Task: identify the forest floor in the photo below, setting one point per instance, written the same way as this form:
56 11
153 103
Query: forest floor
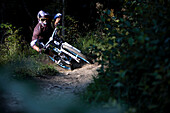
64 87
68 81
60 93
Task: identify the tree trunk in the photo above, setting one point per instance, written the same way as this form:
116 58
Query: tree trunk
63 13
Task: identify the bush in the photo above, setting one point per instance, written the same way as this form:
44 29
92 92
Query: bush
17 53
9 42
32 67
135 65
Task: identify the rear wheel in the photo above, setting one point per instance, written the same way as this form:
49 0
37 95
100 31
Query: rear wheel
61 63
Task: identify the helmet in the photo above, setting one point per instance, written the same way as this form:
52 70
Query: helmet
42 14
43 18
57 15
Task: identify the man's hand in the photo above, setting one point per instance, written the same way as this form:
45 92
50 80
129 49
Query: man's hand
36 48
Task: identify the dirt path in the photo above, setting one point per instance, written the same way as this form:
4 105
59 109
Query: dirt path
68 82
61 88
58 94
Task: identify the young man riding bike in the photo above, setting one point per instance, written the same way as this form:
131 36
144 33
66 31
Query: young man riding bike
43 30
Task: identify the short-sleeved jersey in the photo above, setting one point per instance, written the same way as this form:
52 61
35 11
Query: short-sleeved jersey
42 33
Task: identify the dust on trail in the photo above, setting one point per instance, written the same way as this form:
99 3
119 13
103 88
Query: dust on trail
68 82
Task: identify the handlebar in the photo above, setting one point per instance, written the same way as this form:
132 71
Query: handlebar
50 39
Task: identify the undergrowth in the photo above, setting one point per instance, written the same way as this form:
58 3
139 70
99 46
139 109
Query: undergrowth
134 57
16 53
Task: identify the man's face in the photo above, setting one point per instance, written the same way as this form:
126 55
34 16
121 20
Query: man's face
44 21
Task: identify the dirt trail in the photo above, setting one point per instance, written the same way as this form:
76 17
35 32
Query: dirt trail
64 85
68 82
59 93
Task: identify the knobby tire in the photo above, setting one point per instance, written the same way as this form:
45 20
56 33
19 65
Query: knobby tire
76 52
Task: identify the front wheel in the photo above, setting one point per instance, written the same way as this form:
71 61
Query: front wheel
76 53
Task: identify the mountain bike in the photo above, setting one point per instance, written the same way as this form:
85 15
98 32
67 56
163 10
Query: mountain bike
66 54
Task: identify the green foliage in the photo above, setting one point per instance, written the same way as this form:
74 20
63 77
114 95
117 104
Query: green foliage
71 29
88 43
32 67
135 58
17 53
11 43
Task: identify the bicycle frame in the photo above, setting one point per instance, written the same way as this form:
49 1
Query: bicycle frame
75 57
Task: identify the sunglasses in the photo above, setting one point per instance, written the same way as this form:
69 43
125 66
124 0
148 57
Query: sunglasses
44 19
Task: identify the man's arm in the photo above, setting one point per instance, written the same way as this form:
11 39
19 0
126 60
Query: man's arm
35 37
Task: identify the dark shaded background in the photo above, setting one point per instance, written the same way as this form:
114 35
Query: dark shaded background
22 13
